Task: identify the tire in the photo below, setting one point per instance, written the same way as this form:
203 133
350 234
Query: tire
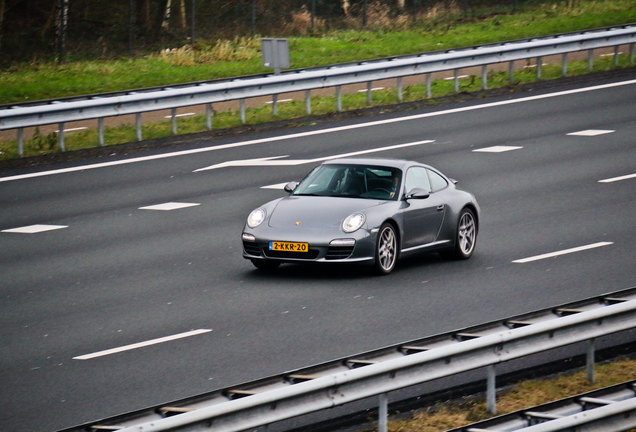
265 265
465 235
386 250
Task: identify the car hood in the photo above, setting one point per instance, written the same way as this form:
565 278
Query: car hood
313 212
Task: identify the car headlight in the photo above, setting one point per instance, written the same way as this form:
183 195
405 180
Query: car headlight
353 222
256 218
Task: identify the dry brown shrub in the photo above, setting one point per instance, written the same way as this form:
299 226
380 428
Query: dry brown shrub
442 9
301 22
379 16
243 48
183 56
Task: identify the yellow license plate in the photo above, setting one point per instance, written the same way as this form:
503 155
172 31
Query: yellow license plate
288 246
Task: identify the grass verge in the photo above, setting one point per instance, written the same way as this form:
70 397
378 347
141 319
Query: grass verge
521 396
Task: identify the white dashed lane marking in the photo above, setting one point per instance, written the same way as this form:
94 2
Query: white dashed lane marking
459 77
615 179
280 100
142 344
169 206
591 132
373 89
563 252
72 129
497 149
181 115
275 186
33 229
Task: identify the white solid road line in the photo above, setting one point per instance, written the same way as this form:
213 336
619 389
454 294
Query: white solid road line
318 132
563 252
142 344
615 179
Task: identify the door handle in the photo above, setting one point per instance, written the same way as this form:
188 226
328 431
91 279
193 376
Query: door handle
440 207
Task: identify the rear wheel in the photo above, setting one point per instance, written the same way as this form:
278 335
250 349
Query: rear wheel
386 250
265 265
466 235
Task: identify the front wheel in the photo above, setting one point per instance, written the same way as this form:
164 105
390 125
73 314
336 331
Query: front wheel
466 235
265 265
386 250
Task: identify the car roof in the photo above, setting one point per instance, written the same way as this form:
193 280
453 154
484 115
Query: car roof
393 163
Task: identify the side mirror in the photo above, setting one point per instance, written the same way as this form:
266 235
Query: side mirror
453 180
417 193
289 187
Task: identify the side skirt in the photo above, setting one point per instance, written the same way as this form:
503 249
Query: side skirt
425 246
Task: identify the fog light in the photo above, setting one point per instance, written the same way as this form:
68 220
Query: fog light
342 242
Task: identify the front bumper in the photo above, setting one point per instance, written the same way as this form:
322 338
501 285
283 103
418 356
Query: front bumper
322 247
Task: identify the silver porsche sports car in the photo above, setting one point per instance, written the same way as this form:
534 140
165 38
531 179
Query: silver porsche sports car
363 210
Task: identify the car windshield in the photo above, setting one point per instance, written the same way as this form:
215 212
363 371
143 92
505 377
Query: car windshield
352 181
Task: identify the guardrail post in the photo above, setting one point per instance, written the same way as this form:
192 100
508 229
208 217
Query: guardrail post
511 72
616 55
369 93
399 89
275 104
208 116
242 109
491 390
100 131
591 349
173 114
631 53
383 413
564 64
484 77
428 85
456 80
138 126
60 133
20 142
339 98
308 101
590 60
539 66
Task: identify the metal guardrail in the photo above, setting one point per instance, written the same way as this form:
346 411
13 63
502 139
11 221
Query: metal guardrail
608 409
207 93
378 372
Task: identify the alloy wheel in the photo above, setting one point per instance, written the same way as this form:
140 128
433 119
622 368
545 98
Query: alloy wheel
386 249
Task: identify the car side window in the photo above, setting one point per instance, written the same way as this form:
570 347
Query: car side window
416 177
437 181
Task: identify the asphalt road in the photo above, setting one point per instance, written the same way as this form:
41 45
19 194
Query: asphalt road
112 273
